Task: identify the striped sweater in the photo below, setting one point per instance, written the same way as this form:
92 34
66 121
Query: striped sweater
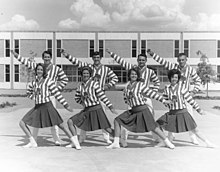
41 91
178 94
135 93
103 72
146 73
89 93
54 72
187 73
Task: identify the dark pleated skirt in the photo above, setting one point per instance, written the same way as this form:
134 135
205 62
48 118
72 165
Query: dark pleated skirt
177 121
91 118
138 120
42 115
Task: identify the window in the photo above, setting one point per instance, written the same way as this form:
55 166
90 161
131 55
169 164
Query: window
143 46
218 49
176 48
120 72
134 48
49 45
72 73
7 48
91 47
186 47
16 47
59 47
16 73
101 48
7 73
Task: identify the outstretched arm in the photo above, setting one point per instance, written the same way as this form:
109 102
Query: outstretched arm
197 81
73 60
119 60
155 80
162 61
30 91
24 61
152 94
113 78
62 78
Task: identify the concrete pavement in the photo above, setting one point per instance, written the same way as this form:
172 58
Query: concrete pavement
94 157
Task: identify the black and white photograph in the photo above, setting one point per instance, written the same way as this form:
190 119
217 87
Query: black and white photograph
109 85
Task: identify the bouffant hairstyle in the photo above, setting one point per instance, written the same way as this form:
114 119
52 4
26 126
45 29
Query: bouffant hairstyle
85 68
137 70
44 69
172 72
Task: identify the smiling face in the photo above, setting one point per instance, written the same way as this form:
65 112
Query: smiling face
133 76
40 71
141 61
182 60
96 59
174 79
47 58
85 75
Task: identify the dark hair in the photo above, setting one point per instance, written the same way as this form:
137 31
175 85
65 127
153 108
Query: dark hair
47 52
182 54
86 68
172 72
137 70
142 54
44 69
95 53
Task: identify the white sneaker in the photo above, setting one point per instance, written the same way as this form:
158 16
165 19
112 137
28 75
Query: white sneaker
210 145
194 140
57 143
113 146
160 144
107 138
30 145
169 144
71 145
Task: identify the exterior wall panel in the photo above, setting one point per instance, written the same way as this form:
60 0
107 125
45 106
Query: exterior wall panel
2 48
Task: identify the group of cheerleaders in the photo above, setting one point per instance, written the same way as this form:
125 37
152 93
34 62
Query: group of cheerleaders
91 95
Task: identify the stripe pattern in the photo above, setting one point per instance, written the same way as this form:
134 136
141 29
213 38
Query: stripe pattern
147 74
41 91
135 93
188 73
89 93
102 71
54 72
178 94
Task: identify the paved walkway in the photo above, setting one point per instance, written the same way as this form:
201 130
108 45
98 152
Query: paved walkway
139 156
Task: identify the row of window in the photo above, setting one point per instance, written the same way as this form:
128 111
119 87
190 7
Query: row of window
134 50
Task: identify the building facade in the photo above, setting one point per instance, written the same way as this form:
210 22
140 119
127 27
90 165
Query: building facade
82 44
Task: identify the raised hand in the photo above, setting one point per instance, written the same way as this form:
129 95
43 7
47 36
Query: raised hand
107 50
14 53
150 52
64 52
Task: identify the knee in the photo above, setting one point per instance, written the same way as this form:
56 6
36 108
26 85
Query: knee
21 123
61 126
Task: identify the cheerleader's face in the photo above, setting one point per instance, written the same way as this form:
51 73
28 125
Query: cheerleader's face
141 61
85 75
133 76
174 79
40 71
47 59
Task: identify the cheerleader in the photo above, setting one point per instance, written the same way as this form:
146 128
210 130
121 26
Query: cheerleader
178 119
43 114
56 74
92 117
100 74
147 74
187 74
139 119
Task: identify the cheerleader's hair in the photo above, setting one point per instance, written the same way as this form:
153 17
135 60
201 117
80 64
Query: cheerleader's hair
44 69
137 70
86 68
172 72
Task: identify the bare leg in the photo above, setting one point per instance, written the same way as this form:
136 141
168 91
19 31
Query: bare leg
82 136
165 141
201 137
32 143
55 134
35 133
115 144
73 135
